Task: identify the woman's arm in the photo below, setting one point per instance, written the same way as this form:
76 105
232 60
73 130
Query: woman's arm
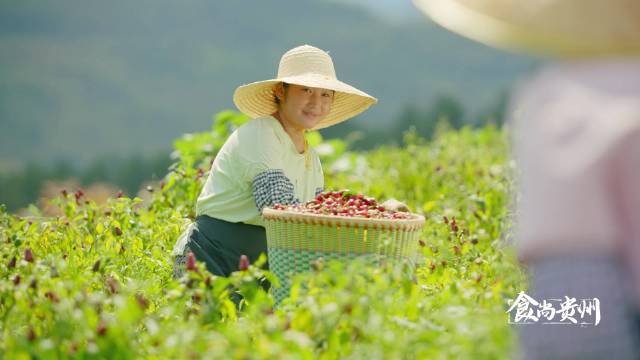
272 187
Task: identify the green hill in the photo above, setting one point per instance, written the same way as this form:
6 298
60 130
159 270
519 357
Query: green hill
84 78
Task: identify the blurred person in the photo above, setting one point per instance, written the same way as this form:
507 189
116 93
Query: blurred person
577 145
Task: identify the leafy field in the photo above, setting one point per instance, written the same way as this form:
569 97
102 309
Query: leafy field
97 282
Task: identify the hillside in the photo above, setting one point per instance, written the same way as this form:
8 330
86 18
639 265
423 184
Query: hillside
84 78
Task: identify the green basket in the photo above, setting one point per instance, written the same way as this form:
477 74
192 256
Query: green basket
296 240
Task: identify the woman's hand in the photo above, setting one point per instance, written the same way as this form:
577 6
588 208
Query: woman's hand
395 205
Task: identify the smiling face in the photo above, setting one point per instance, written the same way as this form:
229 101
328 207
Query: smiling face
303 107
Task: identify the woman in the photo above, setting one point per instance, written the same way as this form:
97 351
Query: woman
577 140
267 160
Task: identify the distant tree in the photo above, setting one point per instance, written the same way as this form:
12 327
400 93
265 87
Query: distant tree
447 108
495 113
444 108
22 188
340 130
409 117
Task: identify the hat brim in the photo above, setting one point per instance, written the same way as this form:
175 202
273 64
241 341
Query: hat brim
539 34
258 99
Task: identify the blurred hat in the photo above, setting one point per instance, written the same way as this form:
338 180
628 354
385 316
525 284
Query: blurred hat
307 66
561 28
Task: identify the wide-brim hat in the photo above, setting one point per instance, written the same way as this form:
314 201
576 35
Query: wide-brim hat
560 28
307 66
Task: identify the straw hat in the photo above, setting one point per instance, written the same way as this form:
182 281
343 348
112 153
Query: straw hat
308 66
562 28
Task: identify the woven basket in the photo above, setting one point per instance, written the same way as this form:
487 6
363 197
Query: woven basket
295 240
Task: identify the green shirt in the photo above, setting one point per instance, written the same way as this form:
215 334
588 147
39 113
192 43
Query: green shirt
258 166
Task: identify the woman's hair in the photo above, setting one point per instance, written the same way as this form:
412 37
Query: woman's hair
275 98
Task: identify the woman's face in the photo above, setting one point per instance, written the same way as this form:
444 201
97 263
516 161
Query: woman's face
304 107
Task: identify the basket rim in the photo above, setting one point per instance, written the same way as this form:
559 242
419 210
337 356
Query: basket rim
269 213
